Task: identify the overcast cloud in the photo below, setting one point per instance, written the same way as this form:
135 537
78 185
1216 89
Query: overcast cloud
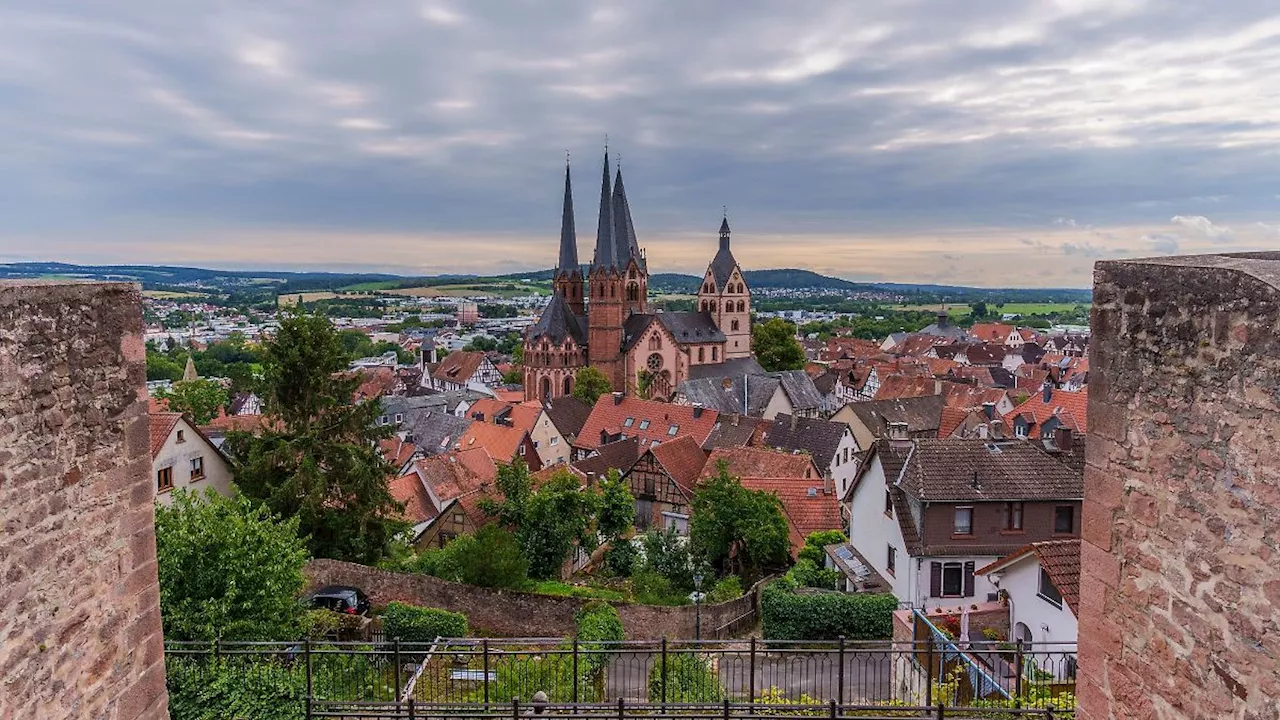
1006 142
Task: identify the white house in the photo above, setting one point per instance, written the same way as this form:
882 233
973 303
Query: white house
1042 583
182 457
928 513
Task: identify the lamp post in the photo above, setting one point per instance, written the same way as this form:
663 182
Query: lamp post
697 596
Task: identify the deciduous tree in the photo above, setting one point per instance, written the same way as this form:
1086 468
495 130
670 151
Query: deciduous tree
774 344
589 384
734 528
201 399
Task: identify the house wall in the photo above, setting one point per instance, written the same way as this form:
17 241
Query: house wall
845 464
988 525
779 404
1179 583
871 531
1022 581
551 446
80 634
178 455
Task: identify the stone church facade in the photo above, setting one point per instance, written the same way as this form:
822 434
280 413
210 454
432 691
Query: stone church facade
599 317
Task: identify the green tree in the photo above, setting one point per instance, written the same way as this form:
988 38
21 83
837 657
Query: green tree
667 555
201 399
589 384
489 558
228 569
617 513
162 367
481 343
734 528
775 346
814 544
318 459
978 310
514 376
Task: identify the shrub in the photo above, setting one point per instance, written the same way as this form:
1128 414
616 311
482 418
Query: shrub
788 615
728 588
689 679
667 554
320 624
622 559
650 588
411 623
807 574
814 544
490 558
598 624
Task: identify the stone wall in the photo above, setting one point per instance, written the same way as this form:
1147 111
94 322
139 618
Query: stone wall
80 628
503 613
1182 491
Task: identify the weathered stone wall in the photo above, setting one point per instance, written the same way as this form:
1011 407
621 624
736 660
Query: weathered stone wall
1182 491
79 601
503 613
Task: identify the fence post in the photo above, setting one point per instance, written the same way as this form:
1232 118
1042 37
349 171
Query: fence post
664 673
942 711
1017 676
486 674
217 645
307 650
515 708
751 681
726 707
928 683
620 708
411 714
395 652
1048 713
575 669
307 705
840 674
835 710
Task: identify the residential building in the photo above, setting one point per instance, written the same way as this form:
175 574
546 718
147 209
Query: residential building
662 482
1047 410
1042 584
466 370
531 418
926 514
809 506
182 457
830 444
870 421
505 444
568 414
762 463
618 417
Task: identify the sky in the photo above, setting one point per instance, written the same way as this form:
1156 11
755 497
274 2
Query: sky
1002 143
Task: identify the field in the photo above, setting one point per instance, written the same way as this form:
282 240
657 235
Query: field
292 298
170 295
481 289
367 286
959 311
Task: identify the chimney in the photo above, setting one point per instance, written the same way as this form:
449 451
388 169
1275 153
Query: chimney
734 419
697 410
977 484
1062 438
989 409
982 431
898 431
617 398
1048 391
793 421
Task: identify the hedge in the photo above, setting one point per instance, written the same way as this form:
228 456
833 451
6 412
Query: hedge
788 615
411 623
689 680
598 625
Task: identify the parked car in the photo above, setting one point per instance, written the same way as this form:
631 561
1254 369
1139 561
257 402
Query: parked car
340 599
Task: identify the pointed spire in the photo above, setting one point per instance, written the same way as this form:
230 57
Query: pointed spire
604 228
568 235
189 373
724 231
624 233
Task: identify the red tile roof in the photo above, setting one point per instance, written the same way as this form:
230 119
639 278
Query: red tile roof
1060 560
408 489
1070 407
510 396
502 442
952 417
807 507
649 421
161 425
991 332
397 451
375 382
763 463
963 396
458 366
900 386
683 460
452 475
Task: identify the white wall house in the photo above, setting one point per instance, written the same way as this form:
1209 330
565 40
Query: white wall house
1042 582
182 457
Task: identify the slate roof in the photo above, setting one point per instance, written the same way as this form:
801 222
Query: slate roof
956 470
762 463
725 395
727 434
1071 408
737 367
683 460
568 235
649 420
1060 560
159 426
556 323
618 456
800 389
944 328
923 415
826 382
723 263
685 326
568 414
434 431
820 438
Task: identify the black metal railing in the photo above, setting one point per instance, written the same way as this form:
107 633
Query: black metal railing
479 676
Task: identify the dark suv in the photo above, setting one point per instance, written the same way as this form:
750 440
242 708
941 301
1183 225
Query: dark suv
340 599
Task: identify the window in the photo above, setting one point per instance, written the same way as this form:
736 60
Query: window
164 479
733 325
1020 431
399 418
197 468
182 436
673 430
951 579
888 502
891 565
1048 592
702 354
457 518
555 440
1013 516
521 450
628 422
715 351
1064 519
964 521
644 424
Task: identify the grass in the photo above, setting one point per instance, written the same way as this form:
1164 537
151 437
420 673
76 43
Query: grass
504 289
170 295
367 286
292 298
555 587
960 311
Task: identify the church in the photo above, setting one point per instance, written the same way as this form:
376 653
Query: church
599 317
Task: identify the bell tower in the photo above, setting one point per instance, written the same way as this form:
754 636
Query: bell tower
725 297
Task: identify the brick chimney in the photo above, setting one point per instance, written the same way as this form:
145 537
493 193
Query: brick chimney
989 409
1048 391
617 398
697 410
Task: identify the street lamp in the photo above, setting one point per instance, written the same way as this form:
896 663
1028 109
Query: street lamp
697 597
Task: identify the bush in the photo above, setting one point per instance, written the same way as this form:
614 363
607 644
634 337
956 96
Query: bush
689 679
814 544
320 624
650 588
667 554
788 615
598 624
490 558
807 574
411 623
728 588
622 558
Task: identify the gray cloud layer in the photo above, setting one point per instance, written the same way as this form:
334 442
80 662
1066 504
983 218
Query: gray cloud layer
169 130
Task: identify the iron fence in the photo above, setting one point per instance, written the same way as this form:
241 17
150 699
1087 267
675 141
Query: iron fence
483 676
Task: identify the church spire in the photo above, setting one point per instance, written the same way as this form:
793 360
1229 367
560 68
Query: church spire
568 235
724 232
604 228
624 233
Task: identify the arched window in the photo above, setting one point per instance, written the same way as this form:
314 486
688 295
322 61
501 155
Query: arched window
633 274
733 325
655 342
742 306
633 292
546 388
701 354
613 291
568 384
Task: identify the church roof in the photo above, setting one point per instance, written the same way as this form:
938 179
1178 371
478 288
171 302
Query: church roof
737 367
723 263
726 395
604 256
686 327
624 232
568 235
558 322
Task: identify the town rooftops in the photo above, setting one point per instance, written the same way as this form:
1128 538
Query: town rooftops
1071 409
734 368
974 470
1060 560
434 431
727 394
922 415
503 443
762 463
683 460
819 437
458 366
620 456
615 416
800 389
991 332
808 507
568 414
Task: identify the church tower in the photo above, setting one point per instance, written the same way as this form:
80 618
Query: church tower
618 283
725 296
568 276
